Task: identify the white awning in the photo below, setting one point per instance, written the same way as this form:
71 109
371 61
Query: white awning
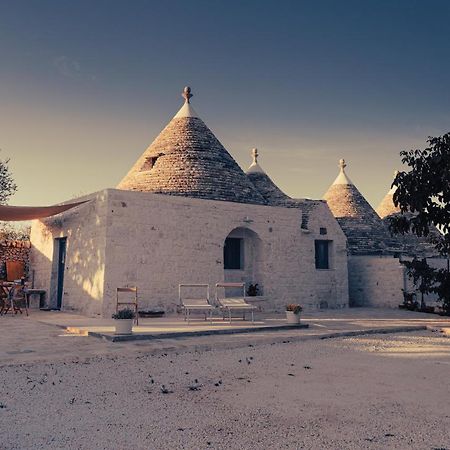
18 213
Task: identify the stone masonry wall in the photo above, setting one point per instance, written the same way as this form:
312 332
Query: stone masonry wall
14 251
84 227
375 281
156 242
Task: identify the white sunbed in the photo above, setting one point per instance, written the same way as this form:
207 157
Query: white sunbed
233 303
199 304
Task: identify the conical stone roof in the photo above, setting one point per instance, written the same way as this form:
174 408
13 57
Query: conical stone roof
271 193
409 243
365 231
187 159
386 206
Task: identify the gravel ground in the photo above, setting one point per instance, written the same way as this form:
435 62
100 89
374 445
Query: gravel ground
377 392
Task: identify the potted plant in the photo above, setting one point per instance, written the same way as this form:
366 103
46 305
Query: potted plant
124 321
253 290
293 313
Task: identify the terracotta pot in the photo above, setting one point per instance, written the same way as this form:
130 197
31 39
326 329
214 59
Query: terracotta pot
124 326
292 318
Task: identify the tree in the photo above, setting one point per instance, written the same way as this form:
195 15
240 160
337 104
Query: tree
14 233
423 195
7 185
423 276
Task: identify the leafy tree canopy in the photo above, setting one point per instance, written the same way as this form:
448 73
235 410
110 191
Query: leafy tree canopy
423 193
7 185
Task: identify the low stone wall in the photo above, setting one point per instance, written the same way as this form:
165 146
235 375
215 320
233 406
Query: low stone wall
375 281
14 251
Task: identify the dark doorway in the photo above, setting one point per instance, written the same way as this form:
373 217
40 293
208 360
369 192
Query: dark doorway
61 243
232 254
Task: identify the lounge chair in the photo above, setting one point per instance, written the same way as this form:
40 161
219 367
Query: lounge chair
200 304
236 303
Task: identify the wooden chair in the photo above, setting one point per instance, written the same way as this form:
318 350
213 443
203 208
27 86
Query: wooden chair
133 303
201 304
236 303
4 301
16 300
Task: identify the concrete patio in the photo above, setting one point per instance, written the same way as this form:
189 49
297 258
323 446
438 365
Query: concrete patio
60 335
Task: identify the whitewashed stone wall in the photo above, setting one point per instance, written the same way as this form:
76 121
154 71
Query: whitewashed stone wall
157 241
84 227
377 281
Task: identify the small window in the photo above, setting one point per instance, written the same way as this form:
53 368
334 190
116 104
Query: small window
232 254
323 231
150 162
322 254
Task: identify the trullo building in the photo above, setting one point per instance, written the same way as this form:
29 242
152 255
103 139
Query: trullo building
187 213
376 275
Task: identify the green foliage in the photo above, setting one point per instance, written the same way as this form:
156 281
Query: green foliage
124 314
423 195
296 309
442 288
253 290
409 300
11 233
424 191
7 185
423 276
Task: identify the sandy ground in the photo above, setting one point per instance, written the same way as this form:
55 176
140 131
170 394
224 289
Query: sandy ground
377 392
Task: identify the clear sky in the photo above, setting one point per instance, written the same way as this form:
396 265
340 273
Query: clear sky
85 86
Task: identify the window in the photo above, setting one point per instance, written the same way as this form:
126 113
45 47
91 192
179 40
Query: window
232 254
150 162
323 231
322 254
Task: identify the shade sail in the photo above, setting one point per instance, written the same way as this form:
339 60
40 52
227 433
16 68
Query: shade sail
17 213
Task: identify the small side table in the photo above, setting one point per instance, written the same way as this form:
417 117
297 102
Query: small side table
40 292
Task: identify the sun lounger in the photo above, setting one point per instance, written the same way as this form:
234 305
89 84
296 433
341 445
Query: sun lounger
199 304
236 303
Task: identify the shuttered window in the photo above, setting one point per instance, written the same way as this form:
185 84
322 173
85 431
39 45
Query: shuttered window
322 254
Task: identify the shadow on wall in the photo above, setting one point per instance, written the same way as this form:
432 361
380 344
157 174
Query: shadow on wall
83 264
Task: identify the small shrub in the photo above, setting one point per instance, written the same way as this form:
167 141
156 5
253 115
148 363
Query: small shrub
296 309
124 314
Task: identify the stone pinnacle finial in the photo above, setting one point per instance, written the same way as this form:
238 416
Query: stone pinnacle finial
396 172
255 155
342 164
187 94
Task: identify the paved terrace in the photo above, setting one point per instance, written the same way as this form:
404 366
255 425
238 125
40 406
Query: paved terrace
59 335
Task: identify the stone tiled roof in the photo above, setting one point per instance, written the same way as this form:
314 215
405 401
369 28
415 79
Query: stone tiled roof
187 159
366 233
407 244
386 206
412 245
274 196
263 184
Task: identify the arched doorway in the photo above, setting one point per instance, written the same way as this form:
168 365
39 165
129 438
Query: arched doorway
243 257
